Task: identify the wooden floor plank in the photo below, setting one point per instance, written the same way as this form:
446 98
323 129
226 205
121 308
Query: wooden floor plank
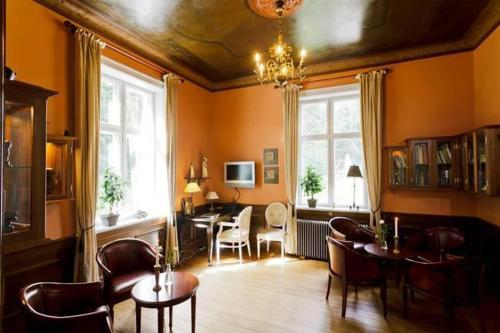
276 295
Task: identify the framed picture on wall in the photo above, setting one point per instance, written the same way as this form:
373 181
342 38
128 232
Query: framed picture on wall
271 175
270 156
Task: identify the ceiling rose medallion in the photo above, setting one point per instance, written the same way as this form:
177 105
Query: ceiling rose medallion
280 68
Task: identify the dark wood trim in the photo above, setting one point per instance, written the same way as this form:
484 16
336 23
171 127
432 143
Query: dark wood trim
135 230
49 260
487 21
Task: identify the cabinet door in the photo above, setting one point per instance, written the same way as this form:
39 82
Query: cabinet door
421 163
492 148
458 164
443 158
398 166
481 178
468 162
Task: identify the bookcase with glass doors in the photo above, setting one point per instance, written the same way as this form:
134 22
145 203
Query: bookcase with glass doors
467 162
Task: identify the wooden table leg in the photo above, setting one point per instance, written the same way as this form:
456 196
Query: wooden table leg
193 313
161 320
210 242
170 316
137 317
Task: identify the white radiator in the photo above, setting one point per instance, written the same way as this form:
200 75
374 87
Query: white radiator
311 236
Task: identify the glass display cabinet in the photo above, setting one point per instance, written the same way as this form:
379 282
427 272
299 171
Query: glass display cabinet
487 147
421 163
443 157
24 162
59 167
398 166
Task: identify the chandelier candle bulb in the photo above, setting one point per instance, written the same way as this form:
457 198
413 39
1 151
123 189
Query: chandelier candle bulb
396 222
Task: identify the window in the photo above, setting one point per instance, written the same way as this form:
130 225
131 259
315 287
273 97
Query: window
330 141
132 138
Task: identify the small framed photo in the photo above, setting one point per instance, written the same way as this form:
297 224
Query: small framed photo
271 156
271 175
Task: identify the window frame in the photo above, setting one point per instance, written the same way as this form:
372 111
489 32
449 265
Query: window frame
126 77
329 96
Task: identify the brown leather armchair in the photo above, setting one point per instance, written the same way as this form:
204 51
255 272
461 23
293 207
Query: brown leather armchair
344 228
438 241
354 268
124 262
454 282
66 307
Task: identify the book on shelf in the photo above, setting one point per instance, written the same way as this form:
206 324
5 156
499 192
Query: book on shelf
444 154
421 153
399 161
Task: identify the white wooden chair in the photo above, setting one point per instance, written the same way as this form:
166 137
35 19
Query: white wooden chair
239 234
275 231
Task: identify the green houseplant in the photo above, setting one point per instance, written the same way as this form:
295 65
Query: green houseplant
111 195
311 184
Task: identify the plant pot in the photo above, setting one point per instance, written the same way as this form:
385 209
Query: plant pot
109 220
312 203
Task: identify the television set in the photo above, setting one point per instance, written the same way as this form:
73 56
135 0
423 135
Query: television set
239 174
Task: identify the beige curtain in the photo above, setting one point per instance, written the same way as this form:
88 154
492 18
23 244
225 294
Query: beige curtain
87 84
371 133
171 82
291 122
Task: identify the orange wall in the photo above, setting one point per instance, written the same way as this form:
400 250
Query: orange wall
487 106
244 122
429 97
41 53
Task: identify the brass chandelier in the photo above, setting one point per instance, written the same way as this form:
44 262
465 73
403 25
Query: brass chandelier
280 67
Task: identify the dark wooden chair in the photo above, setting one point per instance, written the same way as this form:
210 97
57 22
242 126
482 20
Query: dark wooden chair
454 282
354 268
438 241
124 262
66 307
344 228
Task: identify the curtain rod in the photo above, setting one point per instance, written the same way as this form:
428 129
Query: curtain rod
387 70
72 27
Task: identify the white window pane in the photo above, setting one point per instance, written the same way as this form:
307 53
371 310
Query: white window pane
139 173
109 151
110 101
315 153
346 153
346 115
139 109
314 118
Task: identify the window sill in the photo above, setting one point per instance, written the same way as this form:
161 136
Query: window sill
127 222
339 210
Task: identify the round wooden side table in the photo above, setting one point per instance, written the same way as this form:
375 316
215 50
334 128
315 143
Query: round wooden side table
184 288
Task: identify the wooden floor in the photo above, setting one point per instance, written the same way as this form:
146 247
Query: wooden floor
275 295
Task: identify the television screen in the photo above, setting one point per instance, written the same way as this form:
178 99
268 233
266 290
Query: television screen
239 174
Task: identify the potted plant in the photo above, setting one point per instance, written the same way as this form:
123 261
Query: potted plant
311 184
112 194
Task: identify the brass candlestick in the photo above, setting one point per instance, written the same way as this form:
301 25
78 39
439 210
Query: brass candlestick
396 245
157 286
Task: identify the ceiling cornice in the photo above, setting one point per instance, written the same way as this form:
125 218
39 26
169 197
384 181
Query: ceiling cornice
485 23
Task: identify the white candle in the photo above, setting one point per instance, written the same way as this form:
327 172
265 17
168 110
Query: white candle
157 262
396 227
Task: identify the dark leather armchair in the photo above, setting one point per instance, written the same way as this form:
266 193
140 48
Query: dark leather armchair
66 307
354 268
438 241
454 282
124 262
344 228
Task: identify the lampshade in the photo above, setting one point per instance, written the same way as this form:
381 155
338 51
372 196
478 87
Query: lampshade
212 196
354 172
192 188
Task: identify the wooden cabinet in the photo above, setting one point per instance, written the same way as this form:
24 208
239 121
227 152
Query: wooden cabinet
468 162
59 164
398 166
487 157
24 162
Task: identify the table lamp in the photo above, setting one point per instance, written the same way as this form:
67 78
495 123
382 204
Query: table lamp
191 188
354 172
211 196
